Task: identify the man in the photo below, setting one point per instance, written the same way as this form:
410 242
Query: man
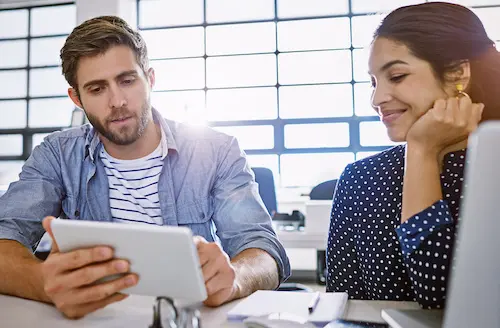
134 166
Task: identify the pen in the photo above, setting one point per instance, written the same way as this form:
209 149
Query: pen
314 302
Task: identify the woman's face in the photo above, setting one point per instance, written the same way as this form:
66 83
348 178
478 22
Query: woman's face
404 86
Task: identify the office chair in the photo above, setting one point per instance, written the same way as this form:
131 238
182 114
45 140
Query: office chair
267 189
323 191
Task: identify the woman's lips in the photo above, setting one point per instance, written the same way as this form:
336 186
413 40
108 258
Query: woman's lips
391 117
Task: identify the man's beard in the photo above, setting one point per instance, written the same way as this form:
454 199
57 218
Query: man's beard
125 135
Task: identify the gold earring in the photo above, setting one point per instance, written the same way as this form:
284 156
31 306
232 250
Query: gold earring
461 92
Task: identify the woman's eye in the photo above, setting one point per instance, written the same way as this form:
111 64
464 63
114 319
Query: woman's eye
398 78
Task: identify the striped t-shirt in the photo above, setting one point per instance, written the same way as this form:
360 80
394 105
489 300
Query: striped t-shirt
133 187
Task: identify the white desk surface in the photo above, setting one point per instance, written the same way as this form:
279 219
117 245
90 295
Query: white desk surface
136 311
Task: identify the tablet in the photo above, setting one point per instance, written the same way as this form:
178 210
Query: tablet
164 257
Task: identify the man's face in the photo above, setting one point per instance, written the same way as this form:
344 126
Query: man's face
115 94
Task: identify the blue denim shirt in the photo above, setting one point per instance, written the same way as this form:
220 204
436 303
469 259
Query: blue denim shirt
206 184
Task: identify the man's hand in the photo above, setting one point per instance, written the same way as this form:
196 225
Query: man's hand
218 273
68 278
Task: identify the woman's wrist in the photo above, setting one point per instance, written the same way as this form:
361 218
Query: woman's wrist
422 151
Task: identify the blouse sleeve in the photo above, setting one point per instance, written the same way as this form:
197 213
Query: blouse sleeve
343 273
426 241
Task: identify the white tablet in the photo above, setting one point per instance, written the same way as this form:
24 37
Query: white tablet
164 257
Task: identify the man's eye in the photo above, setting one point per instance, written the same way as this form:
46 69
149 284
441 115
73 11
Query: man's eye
96 90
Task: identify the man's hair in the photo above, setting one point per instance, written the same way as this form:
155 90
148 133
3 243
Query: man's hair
94 37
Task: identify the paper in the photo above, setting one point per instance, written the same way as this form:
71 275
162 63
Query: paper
330 306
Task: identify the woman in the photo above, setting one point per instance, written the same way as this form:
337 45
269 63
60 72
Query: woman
394 214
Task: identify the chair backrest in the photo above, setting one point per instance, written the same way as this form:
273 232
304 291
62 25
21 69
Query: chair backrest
324 190
267 189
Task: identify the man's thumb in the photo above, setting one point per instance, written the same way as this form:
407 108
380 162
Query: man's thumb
47 226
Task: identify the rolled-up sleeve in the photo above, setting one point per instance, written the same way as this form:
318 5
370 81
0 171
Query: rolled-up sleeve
427 240
36 194
240 216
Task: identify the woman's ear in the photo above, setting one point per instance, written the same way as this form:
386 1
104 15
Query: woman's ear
464 78
459 76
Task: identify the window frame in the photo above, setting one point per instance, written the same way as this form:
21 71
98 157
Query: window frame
28 132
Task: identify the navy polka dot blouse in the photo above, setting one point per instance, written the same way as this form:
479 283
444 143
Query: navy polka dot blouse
370 254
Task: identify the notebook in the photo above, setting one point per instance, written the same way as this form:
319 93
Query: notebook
330 306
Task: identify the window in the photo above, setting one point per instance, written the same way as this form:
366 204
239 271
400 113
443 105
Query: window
33 99
289 80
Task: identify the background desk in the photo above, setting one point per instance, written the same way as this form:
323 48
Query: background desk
136 312
302 239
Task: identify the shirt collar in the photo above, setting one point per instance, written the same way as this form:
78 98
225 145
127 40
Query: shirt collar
167 140
157 118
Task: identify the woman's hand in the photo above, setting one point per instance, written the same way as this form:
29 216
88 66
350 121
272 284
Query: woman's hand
447 123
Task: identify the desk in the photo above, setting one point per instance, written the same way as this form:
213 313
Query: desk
317 223
136 312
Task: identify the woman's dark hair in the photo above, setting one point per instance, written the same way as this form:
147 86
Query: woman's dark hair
446 35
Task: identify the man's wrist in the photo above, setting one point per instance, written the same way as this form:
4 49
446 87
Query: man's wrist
238 284
38 283
237 291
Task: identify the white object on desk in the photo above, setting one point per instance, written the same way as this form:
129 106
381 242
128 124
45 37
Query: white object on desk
315 234
318 216
265 302
164 257
266 322
413 318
